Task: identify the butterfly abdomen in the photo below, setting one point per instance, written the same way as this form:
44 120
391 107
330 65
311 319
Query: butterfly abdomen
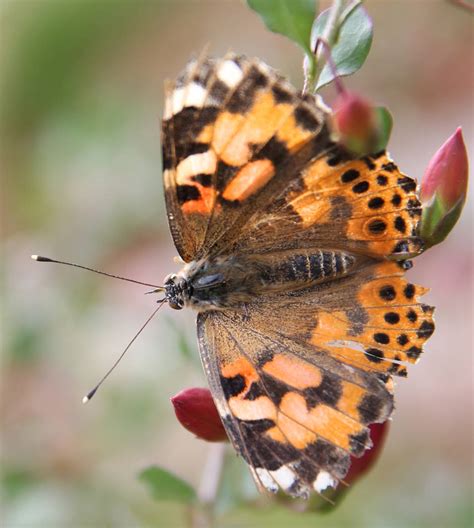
299 270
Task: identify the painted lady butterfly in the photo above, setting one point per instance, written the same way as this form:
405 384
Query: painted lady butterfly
295 254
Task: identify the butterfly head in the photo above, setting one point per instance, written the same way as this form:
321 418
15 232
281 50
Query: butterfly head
176 291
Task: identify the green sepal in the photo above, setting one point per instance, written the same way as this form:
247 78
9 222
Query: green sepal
437 222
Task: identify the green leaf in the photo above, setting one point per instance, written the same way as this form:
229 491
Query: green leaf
352 44
384 127
164 486
291 18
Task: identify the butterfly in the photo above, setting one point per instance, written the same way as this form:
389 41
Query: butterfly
294 256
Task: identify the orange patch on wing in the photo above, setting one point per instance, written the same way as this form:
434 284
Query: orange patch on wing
293 371
204 204
275 434
250 179
240 367
350 398
309 207
226 126
322 420
332 335
298 435
292 135
234 137
261 408
206 134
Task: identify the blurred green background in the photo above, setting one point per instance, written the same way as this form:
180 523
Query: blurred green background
81 98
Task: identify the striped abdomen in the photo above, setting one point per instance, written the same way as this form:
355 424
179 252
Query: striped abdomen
299 270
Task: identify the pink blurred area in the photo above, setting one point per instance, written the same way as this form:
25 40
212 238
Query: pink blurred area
83 183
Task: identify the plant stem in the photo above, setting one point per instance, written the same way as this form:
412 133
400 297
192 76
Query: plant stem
211 473
329 36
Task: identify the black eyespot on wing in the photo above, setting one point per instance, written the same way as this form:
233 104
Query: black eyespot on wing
382 180
387 293
400 224
409 291
350 175
392 318
396 200
377 226
411 316
361 187
374 354
376 203
402 339
382 338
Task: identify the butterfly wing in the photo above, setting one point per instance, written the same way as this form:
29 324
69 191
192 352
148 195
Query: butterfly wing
298 378
234 134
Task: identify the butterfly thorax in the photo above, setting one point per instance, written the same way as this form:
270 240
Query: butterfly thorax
229 282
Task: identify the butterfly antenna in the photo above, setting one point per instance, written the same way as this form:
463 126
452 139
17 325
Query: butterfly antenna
91 393
38 258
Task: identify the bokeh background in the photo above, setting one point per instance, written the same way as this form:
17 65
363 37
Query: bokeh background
81 95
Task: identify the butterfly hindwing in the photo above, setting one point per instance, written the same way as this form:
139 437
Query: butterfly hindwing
297 379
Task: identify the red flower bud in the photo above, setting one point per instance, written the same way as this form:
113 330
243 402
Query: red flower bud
353 114
196 411
443 189
359 466
356 124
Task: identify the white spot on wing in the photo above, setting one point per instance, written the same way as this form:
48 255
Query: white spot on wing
284 476
266 480
168 112
229 73
195 95
204 163
177 100
323 481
